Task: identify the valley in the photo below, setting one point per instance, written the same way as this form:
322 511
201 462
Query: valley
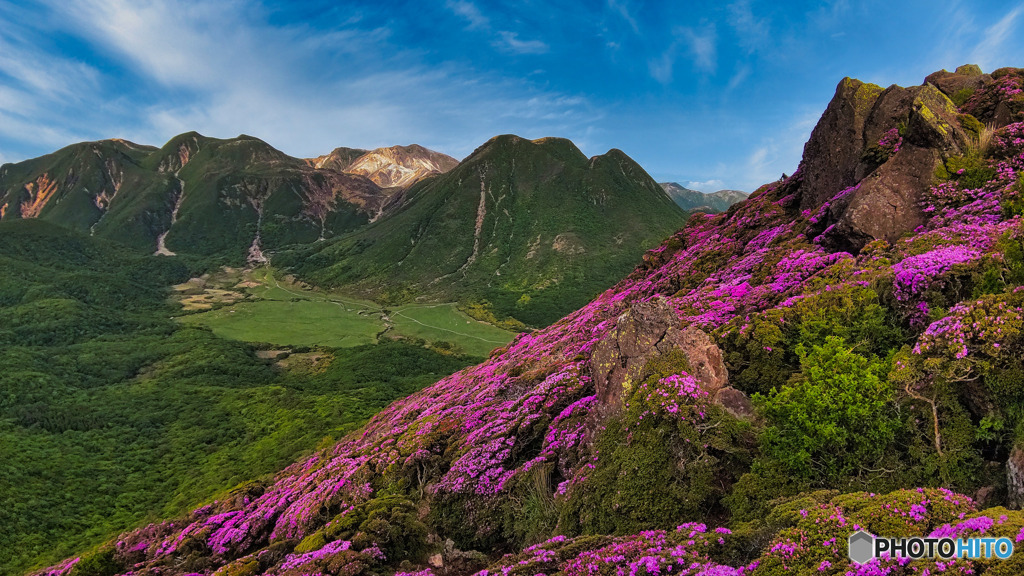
260 306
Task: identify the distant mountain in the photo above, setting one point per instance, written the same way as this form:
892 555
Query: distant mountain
230 198
338 159
400 166
534 228
698 201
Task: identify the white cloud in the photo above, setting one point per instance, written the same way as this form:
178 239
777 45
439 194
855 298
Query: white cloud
775 155
470 12
713 185
702 46
661 67
226 71
990 51
737 79
754 32
511 41
621 7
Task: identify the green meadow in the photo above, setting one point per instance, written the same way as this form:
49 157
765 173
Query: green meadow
285 314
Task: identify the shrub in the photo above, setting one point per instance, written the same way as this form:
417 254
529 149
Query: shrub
833 420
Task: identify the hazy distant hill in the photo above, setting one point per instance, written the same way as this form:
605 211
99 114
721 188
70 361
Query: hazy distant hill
698 201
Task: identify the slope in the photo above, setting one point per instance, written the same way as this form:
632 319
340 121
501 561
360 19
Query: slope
615 440
531 229
400 166
227 199
110 412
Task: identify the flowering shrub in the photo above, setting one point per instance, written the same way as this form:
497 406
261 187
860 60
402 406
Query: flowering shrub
887 146
685 550
816 541
628 486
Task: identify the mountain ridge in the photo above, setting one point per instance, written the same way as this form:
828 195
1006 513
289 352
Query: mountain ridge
713 202
216 208
519 224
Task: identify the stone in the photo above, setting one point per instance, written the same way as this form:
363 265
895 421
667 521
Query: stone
887 203
645 331
969 70
832 154
966 77
1015 478
983 497
735 402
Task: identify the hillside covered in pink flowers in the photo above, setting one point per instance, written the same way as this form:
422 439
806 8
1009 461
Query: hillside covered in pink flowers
843 350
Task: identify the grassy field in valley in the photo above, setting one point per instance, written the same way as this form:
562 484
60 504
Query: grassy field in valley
265 308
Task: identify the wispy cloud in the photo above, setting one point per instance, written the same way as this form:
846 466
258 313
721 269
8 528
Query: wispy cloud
621 7
660 68
777 154
470 12
510 41
504 40
742 73
222 69
702 44
713 185
754 33
991 52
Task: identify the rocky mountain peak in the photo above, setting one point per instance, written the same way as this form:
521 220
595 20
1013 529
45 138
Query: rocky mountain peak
400 166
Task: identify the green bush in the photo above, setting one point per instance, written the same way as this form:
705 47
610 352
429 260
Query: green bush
834 420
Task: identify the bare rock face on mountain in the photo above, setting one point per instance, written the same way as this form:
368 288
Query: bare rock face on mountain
400 166
832 153
871 157
648 330
337 160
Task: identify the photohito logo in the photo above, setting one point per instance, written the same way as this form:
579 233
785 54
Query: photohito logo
862 547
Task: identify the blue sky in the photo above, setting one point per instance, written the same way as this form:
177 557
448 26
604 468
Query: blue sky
709 94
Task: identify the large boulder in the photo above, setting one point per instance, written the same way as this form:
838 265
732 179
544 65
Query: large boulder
645 331
887 143
832 154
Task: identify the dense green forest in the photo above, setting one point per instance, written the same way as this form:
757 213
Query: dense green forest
111 414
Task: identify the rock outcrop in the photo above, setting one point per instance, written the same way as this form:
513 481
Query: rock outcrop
961 83
400 166
649 330
872 156
1015 478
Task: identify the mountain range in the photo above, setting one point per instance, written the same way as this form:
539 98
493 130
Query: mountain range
530 229
697 201
525 231
230 199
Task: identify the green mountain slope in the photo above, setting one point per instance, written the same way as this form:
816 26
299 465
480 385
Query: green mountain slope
110 412
225 198
533 229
